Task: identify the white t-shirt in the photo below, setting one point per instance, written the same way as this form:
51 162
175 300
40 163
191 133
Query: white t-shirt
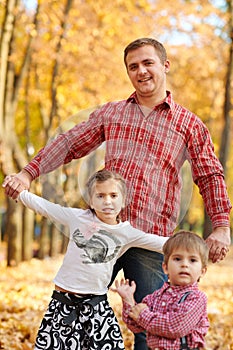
94 246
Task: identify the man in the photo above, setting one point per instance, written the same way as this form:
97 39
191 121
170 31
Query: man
148 137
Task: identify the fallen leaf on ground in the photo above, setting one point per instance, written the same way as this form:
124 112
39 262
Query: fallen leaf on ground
25 292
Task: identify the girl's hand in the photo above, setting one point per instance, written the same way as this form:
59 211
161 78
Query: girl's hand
126 290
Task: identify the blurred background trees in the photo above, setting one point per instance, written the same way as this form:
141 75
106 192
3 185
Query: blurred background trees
60 59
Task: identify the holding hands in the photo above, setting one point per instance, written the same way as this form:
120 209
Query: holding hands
16 183
218 242
136 310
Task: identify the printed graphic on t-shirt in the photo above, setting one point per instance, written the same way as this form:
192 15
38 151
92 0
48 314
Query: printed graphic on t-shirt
101 247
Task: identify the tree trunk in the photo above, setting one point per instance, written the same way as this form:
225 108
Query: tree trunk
27 235
14 232
207 228
226 133
13 158
43 248
54 240
65 240
227 110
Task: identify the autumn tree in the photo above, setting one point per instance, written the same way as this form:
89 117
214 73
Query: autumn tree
228 97
12 74
224 148
63 57
44 62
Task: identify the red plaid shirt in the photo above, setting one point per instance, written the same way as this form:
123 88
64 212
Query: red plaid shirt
166 321
149 152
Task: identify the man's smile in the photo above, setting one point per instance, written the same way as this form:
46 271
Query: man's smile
144 80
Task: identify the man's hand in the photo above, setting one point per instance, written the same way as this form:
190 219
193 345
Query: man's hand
16 183
218 242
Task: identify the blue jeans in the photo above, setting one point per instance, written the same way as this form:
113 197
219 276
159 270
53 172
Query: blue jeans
145 268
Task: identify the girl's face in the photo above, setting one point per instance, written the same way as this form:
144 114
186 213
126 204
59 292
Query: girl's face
184 267
107 200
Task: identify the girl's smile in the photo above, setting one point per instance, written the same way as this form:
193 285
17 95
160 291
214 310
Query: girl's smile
107 201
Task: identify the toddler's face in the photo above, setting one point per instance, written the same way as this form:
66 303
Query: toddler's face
184 267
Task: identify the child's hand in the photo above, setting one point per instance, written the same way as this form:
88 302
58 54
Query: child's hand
125 290
136 310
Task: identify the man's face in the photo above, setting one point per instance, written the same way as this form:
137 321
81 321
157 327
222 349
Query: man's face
146 71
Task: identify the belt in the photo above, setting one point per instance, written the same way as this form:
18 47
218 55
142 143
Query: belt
71 300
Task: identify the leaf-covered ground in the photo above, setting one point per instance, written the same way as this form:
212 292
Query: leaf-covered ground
25 291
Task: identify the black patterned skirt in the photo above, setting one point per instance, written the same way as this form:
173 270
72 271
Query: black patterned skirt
70 324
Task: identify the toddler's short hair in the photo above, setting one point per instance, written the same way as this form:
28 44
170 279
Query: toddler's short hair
189 241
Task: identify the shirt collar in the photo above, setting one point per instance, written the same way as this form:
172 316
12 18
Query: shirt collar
178 289
168 100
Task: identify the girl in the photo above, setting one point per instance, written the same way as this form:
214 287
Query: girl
79 316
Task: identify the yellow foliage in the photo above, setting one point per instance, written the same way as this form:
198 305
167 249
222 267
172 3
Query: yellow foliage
89 62
25 292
